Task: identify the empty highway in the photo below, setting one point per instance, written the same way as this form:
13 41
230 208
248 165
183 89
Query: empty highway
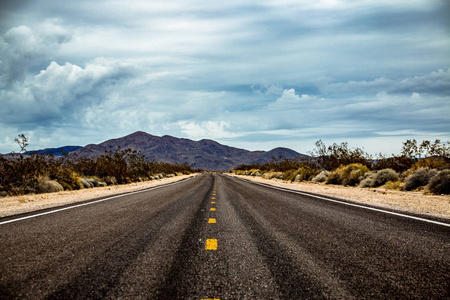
220 237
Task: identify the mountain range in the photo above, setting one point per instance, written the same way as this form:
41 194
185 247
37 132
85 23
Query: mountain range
204 154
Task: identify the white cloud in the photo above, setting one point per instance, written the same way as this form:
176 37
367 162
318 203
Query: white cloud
207 129
59 92
436 82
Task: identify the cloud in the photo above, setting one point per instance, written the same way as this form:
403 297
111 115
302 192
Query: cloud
237 70
207 129
434 83
22 48
60 93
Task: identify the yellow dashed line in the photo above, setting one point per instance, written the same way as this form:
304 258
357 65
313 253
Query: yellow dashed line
211 244
213 198
213 209
213 202
211 220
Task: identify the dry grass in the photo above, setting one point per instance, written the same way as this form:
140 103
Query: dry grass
413 202
26 203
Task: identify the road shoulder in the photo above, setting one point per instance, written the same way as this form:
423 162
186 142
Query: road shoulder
408 202
10 206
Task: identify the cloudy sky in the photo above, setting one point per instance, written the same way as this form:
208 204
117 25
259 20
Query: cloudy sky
249 74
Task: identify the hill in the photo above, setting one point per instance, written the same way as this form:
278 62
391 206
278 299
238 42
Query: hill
61 151
204 154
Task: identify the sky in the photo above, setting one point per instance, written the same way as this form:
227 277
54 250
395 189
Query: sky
249 74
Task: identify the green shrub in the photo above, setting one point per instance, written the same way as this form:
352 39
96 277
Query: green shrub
383 176
418 178
321 177
45 185
440 183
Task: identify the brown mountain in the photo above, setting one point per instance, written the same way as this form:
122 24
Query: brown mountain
203 154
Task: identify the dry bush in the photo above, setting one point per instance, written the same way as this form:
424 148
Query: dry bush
321 177
368 180
110 180
270 175
418 178
440 183
393 185
85 183
305 173
383 176
45 185
350 174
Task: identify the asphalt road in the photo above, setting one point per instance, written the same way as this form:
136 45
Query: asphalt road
218 237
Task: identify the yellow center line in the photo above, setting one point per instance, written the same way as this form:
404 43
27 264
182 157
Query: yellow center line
211 244
213 198
213 202
213 209
211 220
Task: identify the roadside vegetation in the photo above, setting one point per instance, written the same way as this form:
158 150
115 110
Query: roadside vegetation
24 174
419 167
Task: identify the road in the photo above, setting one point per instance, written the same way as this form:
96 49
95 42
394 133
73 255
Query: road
219 237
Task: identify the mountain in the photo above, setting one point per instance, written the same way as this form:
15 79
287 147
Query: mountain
61 151
203 154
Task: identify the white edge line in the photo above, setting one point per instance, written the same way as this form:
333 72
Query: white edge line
92 202
347 203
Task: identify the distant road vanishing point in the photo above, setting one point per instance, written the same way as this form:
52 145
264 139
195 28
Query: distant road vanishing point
220 237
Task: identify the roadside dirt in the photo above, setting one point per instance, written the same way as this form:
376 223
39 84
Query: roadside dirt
21 204
412 202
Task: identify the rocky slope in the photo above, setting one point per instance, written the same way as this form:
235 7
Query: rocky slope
203 154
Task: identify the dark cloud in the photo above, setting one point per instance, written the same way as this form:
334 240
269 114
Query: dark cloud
22 48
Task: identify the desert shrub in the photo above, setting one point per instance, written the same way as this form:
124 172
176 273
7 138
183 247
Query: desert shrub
439 163
418 178
110 180
270 175
321 177
305 173
350 174
334 177
45 185
92 181
440 183
331 157
393 185
86 184
383 176
368 180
